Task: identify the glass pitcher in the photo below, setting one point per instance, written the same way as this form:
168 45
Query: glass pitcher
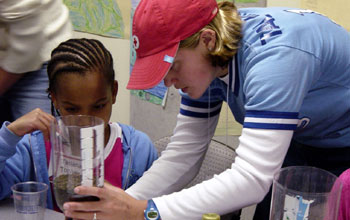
77 143
305 193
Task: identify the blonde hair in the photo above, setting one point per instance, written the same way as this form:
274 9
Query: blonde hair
227 26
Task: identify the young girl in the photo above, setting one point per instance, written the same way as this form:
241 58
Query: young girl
81 78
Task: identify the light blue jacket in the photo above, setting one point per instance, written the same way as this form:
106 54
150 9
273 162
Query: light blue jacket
16 158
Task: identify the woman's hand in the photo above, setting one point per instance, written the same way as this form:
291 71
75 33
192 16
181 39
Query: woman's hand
114 204
32 121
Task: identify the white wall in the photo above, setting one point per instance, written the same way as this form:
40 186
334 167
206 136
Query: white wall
283 3
120 50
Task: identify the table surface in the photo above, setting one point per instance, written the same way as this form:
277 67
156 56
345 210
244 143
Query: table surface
7 211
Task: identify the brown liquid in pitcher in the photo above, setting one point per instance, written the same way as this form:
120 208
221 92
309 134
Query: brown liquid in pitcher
63 187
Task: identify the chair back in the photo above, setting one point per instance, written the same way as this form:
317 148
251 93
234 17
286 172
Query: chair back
218 158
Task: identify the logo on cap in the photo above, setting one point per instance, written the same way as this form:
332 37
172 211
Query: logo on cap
214 11
168 59
135 41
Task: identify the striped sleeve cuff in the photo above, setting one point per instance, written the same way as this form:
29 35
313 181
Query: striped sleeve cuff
199 109
271 120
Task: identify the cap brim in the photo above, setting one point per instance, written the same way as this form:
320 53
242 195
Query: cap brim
149 71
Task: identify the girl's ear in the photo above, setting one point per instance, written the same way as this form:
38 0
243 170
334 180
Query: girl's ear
54 105
208 38
114 91
54 100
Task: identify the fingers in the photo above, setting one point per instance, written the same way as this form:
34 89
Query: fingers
109 186
46 120
34 120
82 209
102 193
112 200
83 206
107 183
88 190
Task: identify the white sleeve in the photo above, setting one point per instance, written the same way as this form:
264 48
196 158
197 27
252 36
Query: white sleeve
25 37
180 161
259 156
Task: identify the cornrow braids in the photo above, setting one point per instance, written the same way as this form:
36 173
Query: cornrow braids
79 56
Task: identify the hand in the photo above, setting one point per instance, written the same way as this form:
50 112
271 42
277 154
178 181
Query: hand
32 121
114 204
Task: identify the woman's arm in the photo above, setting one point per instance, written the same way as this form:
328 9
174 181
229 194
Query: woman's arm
181 160
259 156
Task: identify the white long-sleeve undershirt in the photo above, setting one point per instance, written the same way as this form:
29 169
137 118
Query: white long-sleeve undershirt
259 156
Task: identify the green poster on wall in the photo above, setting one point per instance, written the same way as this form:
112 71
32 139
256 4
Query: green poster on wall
97 17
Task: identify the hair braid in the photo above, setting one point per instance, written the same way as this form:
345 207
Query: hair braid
79 56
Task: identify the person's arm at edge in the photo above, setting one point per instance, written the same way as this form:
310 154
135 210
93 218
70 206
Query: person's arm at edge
23 20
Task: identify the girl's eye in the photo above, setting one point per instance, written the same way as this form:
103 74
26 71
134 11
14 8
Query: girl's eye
71 109
101 106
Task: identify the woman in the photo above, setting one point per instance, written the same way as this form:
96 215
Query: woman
286 78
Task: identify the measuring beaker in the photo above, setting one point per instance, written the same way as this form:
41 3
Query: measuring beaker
77 156
305 193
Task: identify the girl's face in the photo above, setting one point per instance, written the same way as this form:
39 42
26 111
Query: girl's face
87 94
192 70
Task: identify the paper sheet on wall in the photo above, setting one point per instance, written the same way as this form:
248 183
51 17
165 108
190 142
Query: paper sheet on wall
154 95
337 10
109 18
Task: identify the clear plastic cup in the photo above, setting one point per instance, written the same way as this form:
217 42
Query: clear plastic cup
29 200
305 193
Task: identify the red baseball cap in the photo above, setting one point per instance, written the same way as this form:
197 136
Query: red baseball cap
158 28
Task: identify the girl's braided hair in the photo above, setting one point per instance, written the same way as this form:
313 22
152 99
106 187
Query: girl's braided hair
79 56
